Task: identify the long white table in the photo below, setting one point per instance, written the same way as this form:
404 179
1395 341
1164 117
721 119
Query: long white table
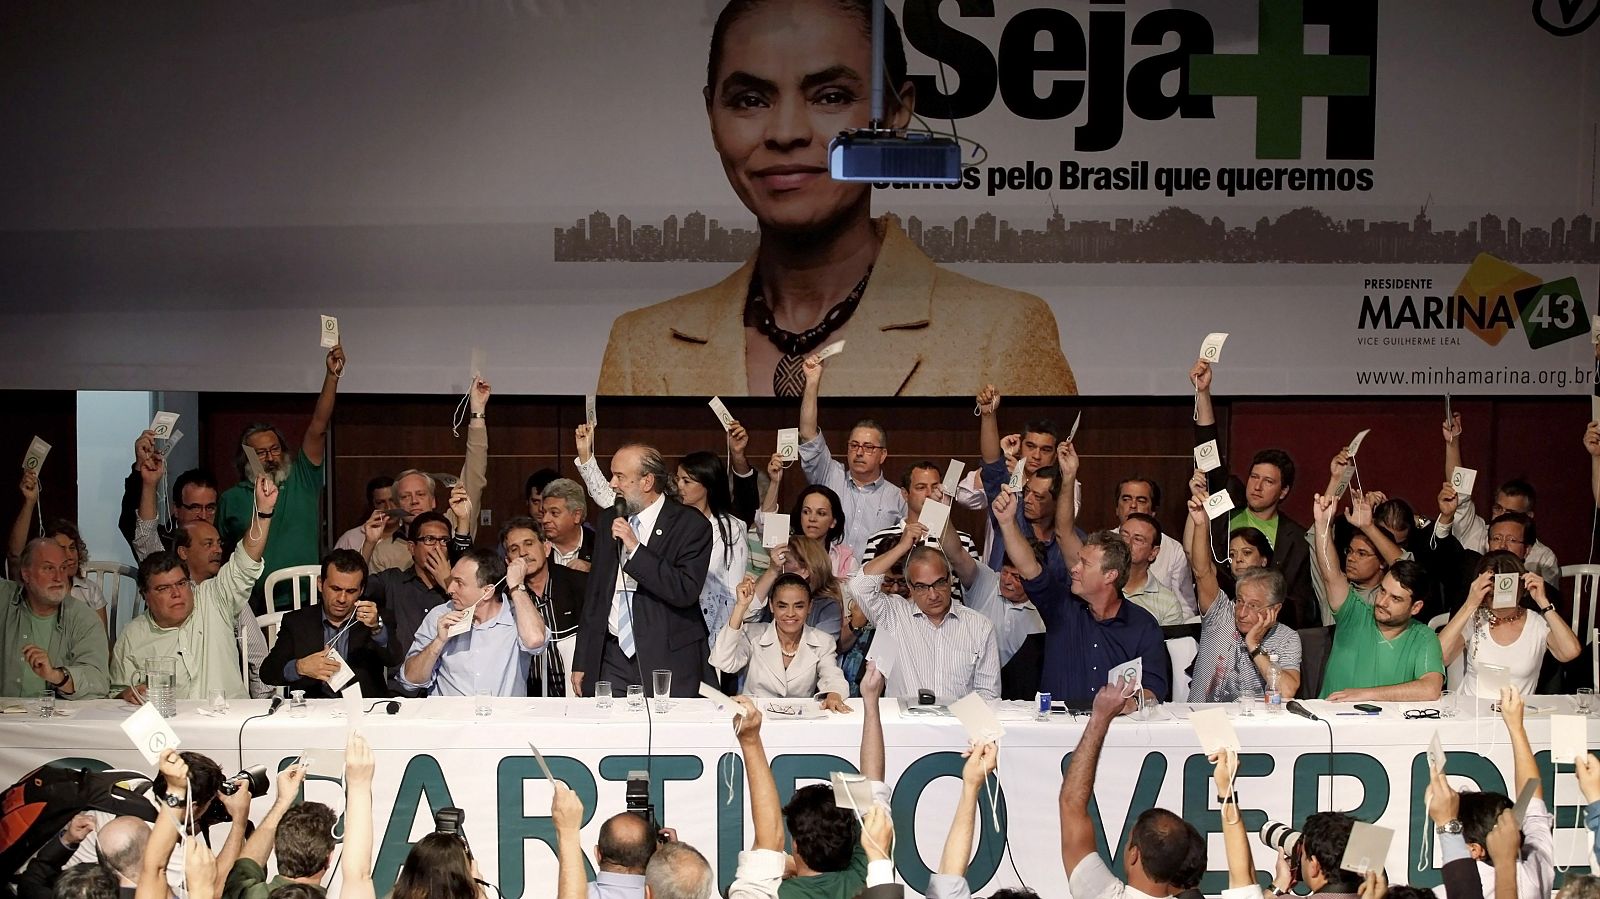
437 752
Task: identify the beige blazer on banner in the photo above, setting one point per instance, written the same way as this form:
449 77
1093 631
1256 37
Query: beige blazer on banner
813 671
921 330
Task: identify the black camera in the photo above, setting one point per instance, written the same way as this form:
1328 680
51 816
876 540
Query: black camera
449 820
253 778
638 798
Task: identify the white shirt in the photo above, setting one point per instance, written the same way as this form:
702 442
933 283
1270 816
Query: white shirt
1522 659
625 582
957 657
1473 532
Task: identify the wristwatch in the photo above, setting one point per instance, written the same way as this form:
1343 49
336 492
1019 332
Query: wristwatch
173 801
1451 826
1255 652
65 676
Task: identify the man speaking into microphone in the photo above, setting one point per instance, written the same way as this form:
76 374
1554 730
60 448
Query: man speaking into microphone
642 610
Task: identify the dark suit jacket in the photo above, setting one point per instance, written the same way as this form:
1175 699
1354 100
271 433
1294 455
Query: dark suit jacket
668 629
567 589
300 635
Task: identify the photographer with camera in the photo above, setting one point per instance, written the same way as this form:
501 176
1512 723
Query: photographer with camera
1316 857
177 809
440 865
303 853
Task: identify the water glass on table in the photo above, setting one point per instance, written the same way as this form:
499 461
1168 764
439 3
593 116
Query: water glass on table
602 694
481 706
1583 701
160 684
47 703
661 683
635 697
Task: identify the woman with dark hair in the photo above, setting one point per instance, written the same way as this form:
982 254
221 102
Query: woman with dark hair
785 658
439 866
702 483
783 78
817 513
1506 639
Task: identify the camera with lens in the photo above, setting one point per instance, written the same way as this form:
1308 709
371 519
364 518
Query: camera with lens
638 798
1283 838
253 778
449 820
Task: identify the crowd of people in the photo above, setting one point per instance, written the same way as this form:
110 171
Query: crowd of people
681 571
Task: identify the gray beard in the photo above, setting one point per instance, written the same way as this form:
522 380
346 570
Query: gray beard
633 505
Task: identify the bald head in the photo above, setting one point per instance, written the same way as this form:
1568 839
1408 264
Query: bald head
626 843
122 843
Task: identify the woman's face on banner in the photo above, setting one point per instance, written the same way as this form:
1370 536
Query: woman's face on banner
793 74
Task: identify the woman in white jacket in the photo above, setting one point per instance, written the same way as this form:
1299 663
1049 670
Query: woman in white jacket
783 658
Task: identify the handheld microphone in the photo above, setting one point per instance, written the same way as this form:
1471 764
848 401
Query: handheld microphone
621 508
276 702
1294 706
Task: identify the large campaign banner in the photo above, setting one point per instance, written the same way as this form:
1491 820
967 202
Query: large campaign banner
622 197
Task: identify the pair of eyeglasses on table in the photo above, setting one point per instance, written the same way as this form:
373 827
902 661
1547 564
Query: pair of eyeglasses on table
1421 713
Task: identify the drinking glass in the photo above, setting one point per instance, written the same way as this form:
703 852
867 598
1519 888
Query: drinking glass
661 682
297 703
47 703
160 681
482 708
1447 703
602 694
636 696
1247 706
1583 700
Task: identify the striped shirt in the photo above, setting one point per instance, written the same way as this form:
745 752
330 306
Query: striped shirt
1223 670
957 657
885 539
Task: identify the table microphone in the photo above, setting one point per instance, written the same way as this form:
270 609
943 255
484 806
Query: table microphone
276 702
389 708
1294 706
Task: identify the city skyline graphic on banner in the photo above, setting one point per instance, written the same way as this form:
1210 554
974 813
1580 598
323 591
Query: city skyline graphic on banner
1171 235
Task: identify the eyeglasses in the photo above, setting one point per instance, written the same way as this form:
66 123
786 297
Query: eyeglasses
853 446
1422 713
940 584
1503 540
432 541
198 507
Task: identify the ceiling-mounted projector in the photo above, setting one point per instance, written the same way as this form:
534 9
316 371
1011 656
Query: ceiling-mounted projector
872 154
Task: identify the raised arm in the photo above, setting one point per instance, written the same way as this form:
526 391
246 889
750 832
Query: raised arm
594 480
164 836
808 398
358 768
474 468
765 809
260 843
530 624
1562 642
1325 561
19 528
1017 546
1523 767
1451 431
315 443
566 813
774 484
1200 377
872 759
885 560
254 541
1360 517
988 401
1591 444
1066 508
1235 840
981 762
1452 639
1077 787
1197 539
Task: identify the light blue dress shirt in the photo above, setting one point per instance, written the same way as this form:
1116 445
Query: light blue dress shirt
489 657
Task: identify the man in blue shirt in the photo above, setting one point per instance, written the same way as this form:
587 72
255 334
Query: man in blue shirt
502 638
1090 629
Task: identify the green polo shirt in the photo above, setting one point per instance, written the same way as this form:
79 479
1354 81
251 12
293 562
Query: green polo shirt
846 884
294 536
1361 656
1244 518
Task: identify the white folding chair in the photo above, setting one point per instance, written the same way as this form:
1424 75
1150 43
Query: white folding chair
1455 671
108 576
1181 650
268 623
1585 597
303 584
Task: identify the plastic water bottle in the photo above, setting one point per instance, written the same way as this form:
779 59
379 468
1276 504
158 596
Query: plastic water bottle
1274 697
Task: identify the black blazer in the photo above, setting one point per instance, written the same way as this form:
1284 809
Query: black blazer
668 630
300 635
567 589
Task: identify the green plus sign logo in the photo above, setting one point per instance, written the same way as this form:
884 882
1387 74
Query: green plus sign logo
1280 75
